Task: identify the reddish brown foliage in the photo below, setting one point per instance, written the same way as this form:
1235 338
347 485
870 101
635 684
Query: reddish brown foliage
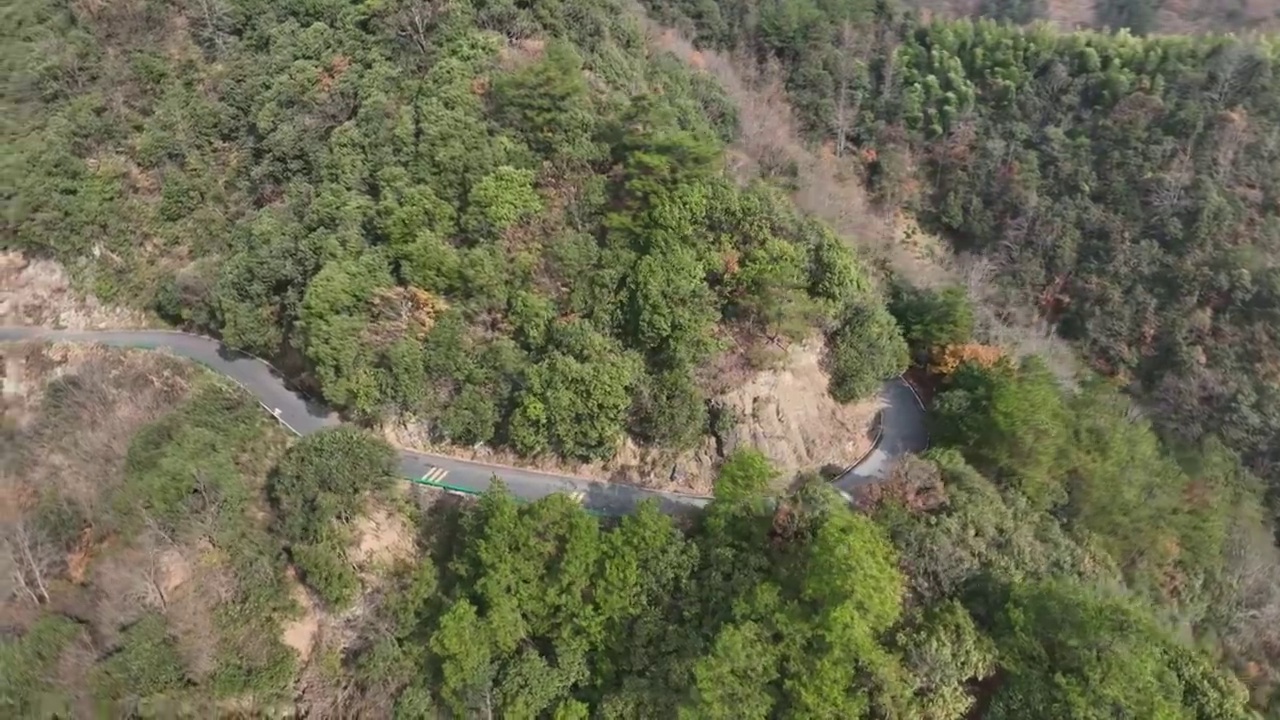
914 484
948 359
785 524
402 312
337 68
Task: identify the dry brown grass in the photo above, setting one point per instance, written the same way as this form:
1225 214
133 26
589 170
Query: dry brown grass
1071 14
90 402
769 144
914 484
39 292
71 412
191 606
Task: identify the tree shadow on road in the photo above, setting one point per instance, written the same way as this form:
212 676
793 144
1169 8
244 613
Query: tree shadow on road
315 407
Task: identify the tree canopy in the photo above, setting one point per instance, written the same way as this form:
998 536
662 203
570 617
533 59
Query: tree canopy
523 227
413 203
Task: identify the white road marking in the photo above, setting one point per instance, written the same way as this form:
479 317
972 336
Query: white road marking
435 475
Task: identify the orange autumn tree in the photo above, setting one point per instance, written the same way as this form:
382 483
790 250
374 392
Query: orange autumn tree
946 359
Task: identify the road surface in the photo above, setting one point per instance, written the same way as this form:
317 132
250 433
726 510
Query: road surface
903 420
902 431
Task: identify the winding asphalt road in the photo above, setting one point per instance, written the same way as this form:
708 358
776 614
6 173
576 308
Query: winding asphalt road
903 425
903 431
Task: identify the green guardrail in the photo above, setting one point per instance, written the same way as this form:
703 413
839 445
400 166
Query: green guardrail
444 486
476 493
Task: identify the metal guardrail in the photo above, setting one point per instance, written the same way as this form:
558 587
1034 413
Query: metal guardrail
875 443
445 486
879 432
919 401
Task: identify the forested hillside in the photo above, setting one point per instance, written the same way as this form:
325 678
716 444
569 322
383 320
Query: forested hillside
1139 16
507 221
514 222
1125 187
161 521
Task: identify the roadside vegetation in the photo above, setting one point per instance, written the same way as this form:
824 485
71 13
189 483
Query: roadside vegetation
134 544
949 590
549 228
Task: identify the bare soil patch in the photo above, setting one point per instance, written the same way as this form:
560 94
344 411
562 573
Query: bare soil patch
38 292
302 632
382 537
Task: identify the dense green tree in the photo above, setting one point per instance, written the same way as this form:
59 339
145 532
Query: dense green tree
251 308
345 462
145 667
501 199
319 486
768 290
834 273
26 666
671 311
163 485
946 653
466 662
734 680
1012 422
669 410
574 400
657 155
1071 652
982 532
333 321
548 104
864 350
406 375
853 579
932 319
405 213
744 474
544 604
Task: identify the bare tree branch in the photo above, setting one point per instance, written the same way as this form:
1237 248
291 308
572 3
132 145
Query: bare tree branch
414 21
32 558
